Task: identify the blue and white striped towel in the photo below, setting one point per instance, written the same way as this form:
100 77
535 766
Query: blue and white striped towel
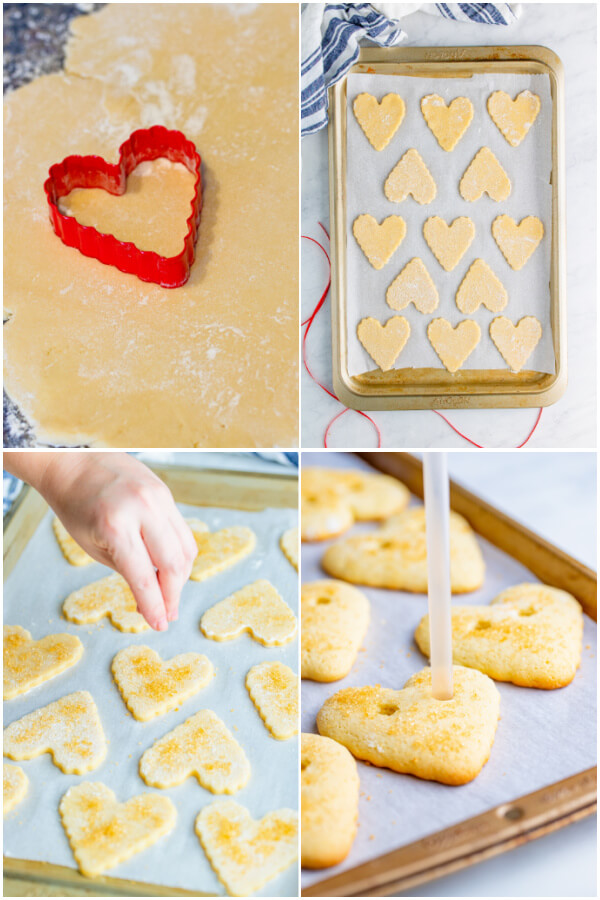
331 33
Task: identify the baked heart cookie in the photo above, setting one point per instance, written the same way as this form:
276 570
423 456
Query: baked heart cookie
289 546
324 512
329 801
28 663
449 243
273 689
531 635
246 853
384 343
484 175
257 608
152 687
447 123
110 596
513 118
413 285
517 242
515 342
395 556
335 618
379 121
453 345
410 732
103 832
410 176
72 552
69 729
379 242
14 787
218 550
481 285
201 746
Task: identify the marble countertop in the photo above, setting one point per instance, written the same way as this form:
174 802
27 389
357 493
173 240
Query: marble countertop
572 421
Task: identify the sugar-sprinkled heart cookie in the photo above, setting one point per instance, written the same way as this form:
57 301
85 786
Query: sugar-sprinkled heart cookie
453 345
531 635
257 608
28 663
449 243
289 546
72 552
384 343
410 176
246 853
14 787
379 121
484 175
447 123
273 689
103 832
513 118
516 342
69 729
218 550
379 241
481 285
335 618
517 242
413 285
110 596
411 732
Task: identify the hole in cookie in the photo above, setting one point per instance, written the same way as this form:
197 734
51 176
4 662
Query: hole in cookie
388 709
530 611
514 813
482 625
323 599
305 764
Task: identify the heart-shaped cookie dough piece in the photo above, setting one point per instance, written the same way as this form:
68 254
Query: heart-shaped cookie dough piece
273 688
410 176
219 550
69 729
152 687
410 732
453 345
110 597
257 608
531 635
203 747
246 853
72 552
335 618
329 801
28 663
103 832
384 343
395 556
449 243
517 242
379 121
515 342
413 285
515 117
289 546
481 285
378 242
484 175
14 787
447 123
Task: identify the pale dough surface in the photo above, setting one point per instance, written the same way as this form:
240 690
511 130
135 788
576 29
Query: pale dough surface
28 663
448 243
97 356
515 117
415 285
515 342
384 343
14 787
447 123
410 176
111 597
335 618
481 285
453 345
379 120
379 241
273 688
289 546
72 552
257 608
485 175
517 242
218 550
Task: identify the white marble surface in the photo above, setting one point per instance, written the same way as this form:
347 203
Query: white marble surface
569 30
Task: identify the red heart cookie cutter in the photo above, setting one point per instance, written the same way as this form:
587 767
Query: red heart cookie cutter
94 172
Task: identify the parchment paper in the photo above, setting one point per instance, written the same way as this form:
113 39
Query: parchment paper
33 598
542 736
528 167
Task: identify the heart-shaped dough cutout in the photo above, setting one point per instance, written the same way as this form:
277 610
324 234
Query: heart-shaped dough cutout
103 832
410 176
28 663
395 557
517 242
481 285
384 343
335 618
453 345
531 635
110 596
152 687
14 787
69 729
515 342
378 242
413 285
515 117
379 121
273 689
289 546
244 852
449 243
72 552
329 786
257 608
219 550
203 747
409 731
447 123
484 175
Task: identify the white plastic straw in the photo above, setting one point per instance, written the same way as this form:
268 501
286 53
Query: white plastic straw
437 509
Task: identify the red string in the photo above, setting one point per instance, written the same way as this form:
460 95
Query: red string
481 447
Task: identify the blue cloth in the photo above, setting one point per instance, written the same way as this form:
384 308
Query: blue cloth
331 33
11 488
